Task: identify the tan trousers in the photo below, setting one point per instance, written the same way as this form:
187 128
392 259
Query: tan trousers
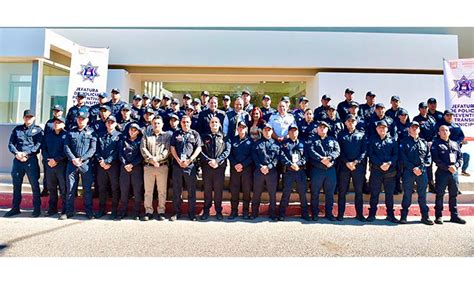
152 175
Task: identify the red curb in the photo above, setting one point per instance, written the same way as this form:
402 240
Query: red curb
292 210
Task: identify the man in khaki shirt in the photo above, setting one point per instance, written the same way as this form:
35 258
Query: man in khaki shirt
155 149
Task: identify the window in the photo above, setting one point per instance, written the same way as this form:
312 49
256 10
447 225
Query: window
55 87
15 91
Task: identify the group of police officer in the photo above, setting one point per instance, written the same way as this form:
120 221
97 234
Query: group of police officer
134 149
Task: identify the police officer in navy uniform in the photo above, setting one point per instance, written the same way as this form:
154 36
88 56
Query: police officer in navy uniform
95 109
226 101
214 154
155 105
74 111
343 107
353 144
241 170
322 151
80 146
266 108
427 132
265 156
187 101
25 144
185 147
455 130
394 111
165 102
402 125
173 109
148 116
125 119
299 112
58 111
380 115
108 168
367 110
383 155
307 125
416 157
137 109
247 97
206 115
433 112
99 125
116 103
447 155
293 159
55 165
146 101
354 111
335 124
131 171
174 123
320 113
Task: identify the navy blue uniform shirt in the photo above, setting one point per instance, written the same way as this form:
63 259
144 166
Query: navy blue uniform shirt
129 151
72 115
53 146
108 146
80 143
317 148
415 153
383 151
446 153
353 146
265 153
290 149
241 151
215 146
26 139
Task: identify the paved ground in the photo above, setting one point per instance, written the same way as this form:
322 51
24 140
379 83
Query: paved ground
25 236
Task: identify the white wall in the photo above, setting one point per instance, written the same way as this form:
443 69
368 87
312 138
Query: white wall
411 88
218 48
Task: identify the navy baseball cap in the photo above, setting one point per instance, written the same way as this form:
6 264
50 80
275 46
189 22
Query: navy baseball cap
103 95
245 92
59 119
266 97
150 110
402 111
137 97
381 122
431 100
226 98
175 101
422 105
189 108
414 123
166 97
303 99
447 112
156 98
81 95
134 125
173 116
106 107
196 101
241 123
146 97
323 123
57 107
379 105
395 98
331 107
326 97
267 125
349 91
350 116
115 90
28 112
83 114
111 118
205 93
187 96
285 99
370 94
354 104
125 107
292 126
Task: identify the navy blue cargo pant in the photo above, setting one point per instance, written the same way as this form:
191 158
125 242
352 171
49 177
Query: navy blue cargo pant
32 171
56 177
326 179
259 181
189 176
289 178
446 179
72 182
213 180
377 179
409 180
241 181
131 180
104 179
358 180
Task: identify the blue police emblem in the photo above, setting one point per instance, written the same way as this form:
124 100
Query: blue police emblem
88 72
464 87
